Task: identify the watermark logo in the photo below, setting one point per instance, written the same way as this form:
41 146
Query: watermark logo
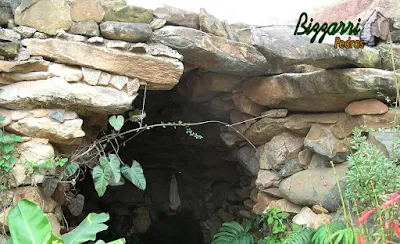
375 29
330 29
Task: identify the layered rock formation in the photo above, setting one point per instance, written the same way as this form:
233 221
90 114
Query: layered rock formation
67 65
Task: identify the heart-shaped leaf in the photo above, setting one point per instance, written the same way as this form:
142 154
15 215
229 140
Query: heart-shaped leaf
101 178
116 122
28 224
135 175
87 229
50 185
112 163
76 205
71 169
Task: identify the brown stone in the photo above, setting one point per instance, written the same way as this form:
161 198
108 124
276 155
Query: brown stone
368 106
305 158
245 105
159 72
82 10
285 206
318 209
35 195
249 204
275 113
243 192
46 16
266 179
321 91
244 214
221 82
263 200
196 91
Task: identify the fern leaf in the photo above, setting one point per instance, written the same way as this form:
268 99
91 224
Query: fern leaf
300 236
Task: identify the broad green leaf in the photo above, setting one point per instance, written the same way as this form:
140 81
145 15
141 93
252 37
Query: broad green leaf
114 164
116 122
71 169
135 175
101 178
87 229
119 241
8 148
28 224
1 118
9 241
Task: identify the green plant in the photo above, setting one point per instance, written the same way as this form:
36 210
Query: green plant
273 224
7 146
109 173
299 235
234 233
28 224
335 232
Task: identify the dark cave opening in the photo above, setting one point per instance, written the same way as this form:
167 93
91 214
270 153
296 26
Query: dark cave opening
206 171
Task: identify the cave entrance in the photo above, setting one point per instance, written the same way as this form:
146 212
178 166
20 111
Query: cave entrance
207 175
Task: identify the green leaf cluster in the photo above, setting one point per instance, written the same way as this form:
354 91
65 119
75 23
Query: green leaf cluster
28 224
110 172
234 233
7 146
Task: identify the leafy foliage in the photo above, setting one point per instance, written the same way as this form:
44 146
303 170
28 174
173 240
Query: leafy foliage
299 235
7 146
70 169
28 224
335 232
135 175
234 233
109 173
370 173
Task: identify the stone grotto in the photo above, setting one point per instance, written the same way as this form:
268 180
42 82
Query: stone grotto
272 111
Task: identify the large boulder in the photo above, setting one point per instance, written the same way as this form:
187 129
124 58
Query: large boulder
56 92
321 140
265 129
46 16
118 10
159 72
315 186
212 53
36 150
131 32
321 91
177 16
283 49
83 10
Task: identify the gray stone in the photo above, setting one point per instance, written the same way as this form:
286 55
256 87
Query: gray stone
289 168
212 53
317 161
275 113
282 48
86 28
176 16
157 23
119 81
321 91
14 4
9 35
266 179
91 76
9 49
315 186
70 37
23 54
248 159
25 31
210 24
119 11
56 92
321 140
5 15
131 32
387 142
46 16
279 150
